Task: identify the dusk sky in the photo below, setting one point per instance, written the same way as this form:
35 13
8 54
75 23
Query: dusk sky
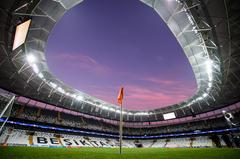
101 45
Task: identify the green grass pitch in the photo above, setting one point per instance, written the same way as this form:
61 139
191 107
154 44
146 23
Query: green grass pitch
108 153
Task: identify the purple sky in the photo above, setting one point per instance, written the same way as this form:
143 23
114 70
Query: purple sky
100 45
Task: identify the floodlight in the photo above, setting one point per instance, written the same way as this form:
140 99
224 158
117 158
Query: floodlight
111 109
53 84
209 84
35 68
73 95
79 98
124 112
60 90
40 75
204 95
31 58
209 66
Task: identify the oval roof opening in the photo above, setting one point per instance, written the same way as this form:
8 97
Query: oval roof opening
98 47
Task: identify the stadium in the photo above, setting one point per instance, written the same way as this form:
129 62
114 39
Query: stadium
41 116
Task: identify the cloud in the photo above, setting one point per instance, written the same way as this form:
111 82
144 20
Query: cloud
160 81
173 87
81 61
140 98
144 94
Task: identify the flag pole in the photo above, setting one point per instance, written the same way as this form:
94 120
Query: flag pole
120 130
120 102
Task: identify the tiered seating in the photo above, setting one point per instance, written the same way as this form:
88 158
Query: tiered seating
147 143
223 144
30 138
51 117
178 142
202 141
129 144
18 137
3 135
160 143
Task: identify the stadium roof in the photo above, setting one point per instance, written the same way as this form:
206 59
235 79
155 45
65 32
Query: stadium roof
208 32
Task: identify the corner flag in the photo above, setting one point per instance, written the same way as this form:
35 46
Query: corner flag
120 96
120 102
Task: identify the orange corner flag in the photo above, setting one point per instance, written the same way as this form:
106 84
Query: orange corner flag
120 96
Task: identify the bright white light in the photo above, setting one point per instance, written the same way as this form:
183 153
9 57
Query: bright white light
204 95
111 109
209 84
60 90
73 95
40 75
210 78
35 68
104 107
141 113
168 116
209 66
31 59
79 98
53 85
130 113
124 112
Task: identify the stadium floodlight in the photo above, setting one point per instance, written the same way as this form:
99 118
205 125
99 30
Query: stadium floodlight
209 68
35 68
104 107
60 90
79 98
130 113
53 85
124 112
73 96
31 58
209 84
40 75
21 34
110 109
142 113
168 116
204 95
